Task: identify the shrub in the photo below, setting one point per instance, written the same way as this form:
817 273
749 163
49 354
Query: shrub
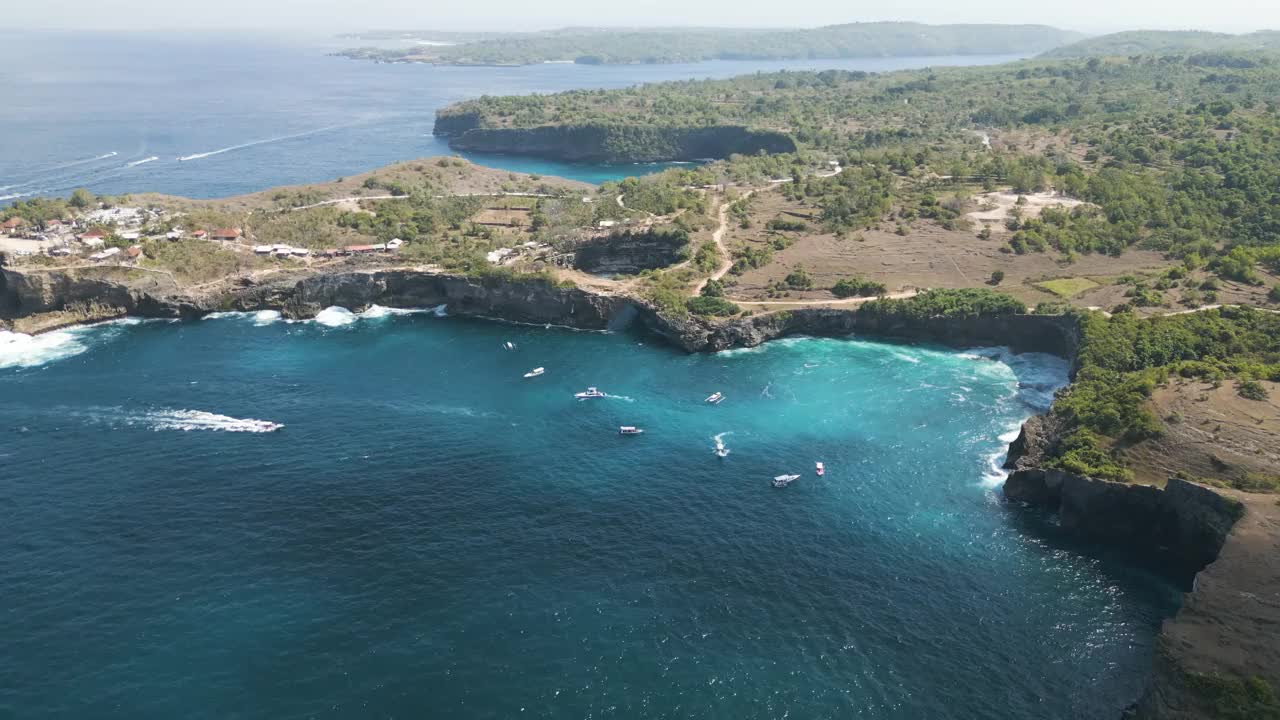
857 287
785 225
1250 389
997 277
798 279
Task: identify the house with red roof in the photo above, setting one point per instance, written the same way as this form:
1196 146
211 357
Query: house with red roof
227 234
11 225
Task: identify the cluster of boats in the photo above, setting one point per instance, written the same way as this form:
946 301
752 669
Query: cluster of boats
713 399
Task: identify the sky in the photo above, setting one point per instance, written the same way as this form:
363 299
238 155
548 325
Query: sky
331 16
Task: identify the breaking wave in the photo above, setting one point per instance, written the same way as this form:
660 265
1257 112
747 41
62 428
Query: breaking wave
22 350
19 350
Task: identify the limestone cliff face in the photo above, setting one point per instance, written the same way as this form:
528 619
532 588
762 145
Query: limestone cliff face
532 301
1182 527
630 252
299 296
612 143
1022 333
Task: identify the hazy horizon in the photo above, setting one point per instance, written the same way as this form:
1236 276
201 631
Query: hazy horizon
332 16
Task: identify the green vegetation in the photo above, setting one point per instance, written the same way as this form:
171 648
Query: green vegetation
1251 389
1167 42
1067 287
709 305
1232 698
951 304
598 46
857 287
798 279
1124 358
1170 153
196 261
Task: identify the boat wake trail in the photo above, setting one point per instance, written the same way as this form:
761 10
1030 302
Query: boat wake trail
619 397
720 449
143 161
190 420
255 143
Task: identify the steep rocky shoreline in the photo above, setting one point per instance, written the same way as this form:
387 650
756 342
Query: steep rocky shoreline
610 143
1185 526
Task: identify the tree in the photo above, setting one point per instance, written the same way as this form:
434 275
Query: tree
81 199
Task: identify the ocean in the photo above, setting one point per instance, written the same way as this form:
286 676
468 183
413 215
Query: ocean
113 112
429 534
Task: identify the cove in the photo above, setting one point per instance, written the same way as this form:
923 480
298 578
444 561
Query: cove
432 534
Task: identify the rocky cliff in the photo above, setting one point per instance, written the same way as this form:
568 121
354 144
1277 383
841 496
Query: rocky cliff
1181 528
303 295
630 252
1022 333
609 143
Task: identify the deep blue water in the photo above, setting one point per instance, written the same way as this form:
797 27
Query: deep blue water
79 109
430 535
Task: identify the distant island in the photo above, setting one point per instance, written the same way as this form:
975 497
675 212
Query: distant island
631 46
1147 42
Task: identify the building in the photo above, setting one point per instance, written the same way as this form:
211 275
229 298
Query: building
360 249
109 252
11 225
226 234
199 234
133 252
89 236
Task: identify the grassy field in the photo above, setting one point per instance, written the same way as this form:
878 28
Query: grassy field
1067 287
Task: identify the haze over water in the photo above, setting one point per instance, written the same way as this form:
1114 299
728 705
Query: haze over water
431 535
114 112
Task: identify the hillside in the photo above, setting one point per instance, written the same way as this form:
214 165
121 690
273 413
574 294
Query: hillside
1145 42
676 45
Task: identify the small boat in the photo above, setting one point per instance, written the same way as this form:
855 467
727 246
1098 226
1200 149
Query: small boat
722 452
589 393
784 480
629 430
715 398
535 372
509 345
819 468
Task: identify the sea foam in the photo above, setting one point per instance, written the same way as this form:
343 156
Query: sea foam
22 350
190 420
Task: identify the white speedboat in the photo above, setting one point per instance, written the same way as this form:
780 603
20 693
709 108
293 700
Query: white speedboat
715 398
589 393
820 469
784 480
629 430
509 345
535 372
722 452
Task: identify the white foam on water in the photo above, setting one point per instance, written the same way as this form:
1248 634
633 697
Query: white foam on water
143 161
906 358
191 420
22 350
335 316
266 317
440 310
254 143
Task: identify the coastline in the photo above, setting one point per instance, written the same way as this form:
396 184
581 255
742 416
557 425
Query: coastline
1144 517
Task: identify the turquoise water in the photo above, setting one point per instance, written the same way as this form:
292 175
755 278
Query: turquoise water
431 535
113 112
